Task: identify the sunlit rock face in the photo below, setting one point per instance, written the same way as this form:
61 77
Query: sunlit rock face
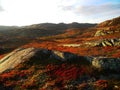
16 57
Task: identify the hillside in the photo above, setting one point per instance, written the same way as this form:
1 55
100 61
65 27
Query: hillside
5 28
44 29
113 22
12 37
64 57
95 41
36 68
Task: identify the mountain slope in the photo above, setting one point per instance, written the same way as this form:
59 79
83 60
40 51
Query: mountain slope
5 28
75 59
34 68
95 41
13 37
112 22
44 29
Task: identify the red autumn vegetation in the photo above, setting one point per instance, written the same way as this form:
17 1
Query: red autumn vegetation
101 83
13 74
117 54
29 85
1 56
64 72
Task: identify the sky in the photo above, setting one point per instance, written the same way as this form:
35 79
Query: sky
27 12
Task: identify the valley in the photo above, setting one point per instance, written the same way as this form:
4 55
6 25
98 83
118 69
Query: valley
61 56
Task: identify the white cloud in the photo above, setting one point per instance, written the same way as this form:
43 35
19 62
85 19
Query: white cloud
25 12
94 13
1 9
98 9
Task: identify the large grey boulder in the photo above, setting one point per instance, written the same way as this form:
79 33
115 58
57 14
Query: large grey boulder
106 63
23 54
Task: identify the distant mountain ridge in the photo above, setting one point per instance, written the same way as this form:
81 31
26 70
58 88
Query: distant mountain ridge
24 34
51 26
38 30
63 25
8 27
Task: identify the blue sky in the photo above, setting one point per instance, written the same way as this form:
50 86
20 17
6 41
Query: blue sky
26 12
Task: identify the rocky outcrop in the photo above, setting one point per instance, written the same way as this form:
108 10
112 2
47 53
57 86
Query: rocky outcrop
25 54
107 63
16 57
110 42
103 43
106 32
92 43
63 56
108 27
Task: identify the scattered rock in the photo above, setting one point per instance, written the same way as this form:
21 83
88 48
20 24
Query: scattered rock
106 32
103 43
110 42
71 45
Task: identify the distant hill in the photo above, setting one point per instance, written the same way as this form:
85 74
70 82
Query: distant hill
2 28
13 36
52 26
44 29
48 29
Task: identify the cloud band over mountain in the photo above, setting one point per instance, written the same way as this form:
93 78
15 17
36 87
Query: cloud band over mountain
1 9
86 10
27 12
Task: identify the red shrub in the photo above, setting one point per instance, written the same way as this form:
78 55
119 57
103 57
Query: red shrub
101 83
64 72
29 85
8 75
10 83
116 55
